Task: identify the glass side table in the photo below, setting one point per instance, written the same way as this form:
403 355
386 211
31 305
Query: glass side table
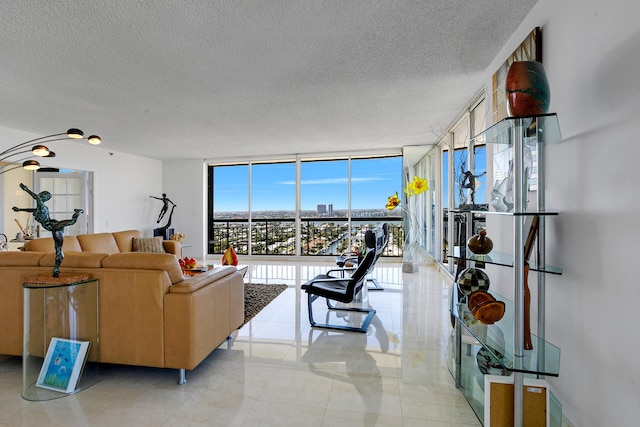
61 336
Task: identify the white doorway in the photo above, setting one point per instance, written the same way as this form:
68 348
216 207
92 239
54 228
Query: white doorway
69 190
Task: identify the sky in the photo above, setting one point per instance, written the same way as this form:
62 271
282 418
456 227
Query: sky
325 182
322 182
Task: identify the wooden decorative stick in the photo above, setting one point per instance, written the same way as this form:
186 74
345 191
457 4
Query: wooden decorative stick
527 344
528 247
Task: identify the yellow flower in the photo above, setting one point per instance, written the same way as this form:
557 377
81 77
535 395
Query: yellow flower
417 186
394 202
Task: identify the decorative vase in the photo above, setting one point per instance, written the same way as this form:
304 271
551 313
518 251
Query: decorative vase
527 89
480 244
229 257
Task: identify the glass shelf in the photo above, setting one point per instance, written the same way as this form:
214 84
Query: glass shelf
544 359
545 127
472 379
531 213
505 260
485 212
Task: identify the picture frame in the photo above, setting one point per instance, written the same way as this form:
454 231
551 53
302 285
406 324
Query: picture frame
63 365
498 401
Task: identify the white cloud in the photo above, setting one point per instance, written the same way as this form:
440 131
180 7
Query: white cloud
327 181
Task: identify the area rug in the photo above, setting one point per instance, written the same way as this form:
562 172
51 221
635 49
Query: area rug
257 296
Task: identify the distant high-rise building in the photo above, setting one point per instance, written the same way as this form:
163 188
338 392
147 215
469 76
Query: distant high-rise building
321 210
330 210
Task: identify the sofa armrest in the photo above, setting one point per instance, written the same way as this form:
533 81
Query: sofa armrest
172 247
200 314
198 281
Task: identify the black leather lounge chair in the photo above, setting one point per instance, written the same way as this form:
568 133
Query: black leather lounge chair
345 289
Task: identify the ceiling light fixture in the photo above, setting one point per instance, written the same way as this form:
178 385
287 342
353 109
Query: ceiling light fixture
39 150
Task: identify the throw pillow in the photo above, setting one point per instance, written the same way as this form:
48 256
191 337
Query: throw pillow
148 244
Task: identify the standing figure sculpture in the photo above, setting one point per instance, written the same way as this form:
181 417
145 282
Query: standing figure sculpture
162 231
469 181
41 214
165 206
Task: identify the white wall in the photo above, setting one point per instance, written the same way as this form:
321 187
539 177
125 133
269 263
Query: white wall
591 55
122 182
184 181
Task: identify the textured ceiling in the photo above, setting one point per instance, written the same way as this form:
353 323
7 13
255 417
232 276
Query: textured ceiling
195 79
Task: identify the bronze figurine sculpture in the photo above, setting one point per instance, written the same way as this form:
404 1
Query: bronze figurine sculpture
162 231
41 214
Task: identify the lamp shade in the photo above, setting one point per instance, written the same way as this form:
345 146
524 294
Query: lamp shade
31 165
75 133
40 150
94 140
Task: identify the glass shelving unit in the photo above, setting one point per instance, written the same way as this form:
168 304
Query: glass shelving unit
503 342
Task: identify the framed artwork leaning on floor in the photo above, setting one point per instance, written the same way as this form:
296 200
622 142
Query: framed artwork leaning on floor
63 365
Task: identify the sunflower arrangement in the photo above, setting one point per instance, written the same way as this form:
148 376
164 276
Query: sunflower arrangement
415 187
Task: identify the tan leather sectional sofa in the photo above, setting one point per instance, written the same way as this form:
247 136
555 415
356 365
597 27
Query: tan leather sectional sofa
149 313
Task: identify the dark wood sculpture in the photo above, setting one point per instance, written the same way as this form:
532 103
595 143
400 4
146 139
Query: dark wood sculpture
528 248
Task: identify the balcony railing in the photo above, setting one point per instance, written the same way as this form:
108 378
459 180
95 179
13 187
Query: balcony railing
319 236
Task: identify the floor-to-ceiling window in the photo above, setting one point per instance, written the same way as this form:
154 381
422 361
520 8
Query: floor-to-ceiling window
273 204
309 206
373 181
324 204
229 210
464 181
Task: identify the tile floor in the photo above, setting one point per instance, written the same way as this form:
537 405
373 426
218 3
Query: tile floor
277 371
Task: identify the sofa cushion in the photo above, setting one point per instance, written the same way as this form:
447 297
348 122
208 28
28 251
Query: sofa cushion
103 243
20 259
124 239
74 259
45 244
148 244
146 261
